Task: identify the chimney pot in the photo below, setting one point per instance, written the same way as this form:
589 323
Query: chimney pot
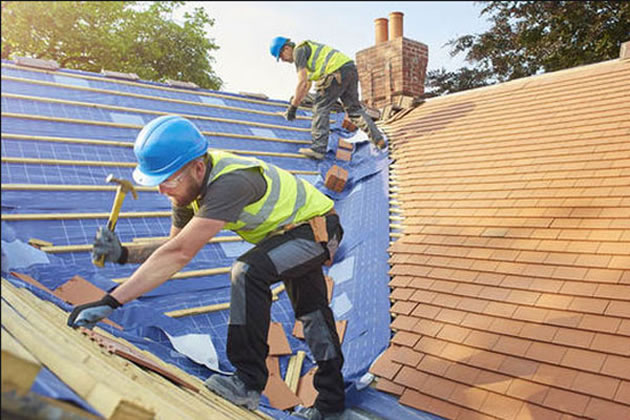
396 27
380 30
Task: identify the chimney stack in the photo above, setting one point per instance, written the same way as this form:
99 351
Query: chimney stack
392 71
380 30
396 26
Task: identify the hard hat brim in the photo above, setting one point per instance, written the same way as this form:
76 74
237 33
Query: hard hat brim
148 180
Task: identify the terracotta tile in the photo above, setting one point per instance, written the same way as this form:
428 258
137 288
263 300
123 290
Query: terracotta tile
573 338
384 366
598 385
273 365
554 301
624 328
611 344
279 394
527 391
438 407
506 326
546 285
546 352
467 396
584 359
502 407
556 376
448 301
465 414
457 353
438 387
406 356
453 333
492 381
578 288
415 400
306 390
434 365
526 313
486 359
494 293
450 316
477 321
403 308
623 393
566 401
511 346
430 346
613 291
481 339
462 373
426 311
402 322
405 338
505 310
601 409
599 323
604 275
410 378
389 387
402 293
616 366
536 412
563 319
590 305
472 305
620 309
489 279
522 297
427 327
400 281
422 296
538 332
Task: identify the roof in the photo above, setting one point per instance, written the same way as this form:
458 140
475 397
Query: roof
511 283
63 132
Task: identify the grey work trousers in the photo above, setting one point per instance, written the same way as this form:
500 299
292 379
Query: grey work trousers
348 92
295 258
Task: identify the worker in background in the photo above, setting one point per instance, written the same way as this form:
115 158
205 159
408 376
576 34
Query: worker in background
293 225
336 77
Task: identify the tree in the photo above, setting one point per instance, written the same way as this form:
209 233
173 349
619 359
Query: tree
531 37
130 37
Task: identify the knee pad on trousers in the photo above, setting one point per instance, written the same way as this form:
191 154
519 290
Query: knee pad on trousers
238 298
318 336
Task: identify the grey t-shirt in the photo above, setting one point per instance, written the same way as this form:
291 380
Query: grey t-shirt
300 56
225 198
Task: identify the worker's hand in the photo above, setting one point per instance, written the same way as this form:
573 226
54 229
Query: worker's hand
289 114
88 314
107 244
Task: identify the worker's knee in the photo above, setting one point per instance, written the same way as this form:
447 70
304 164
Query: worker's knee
320 336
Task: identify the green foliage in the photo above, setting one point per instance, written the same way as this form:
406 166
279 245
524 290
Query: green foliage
531 37
130 37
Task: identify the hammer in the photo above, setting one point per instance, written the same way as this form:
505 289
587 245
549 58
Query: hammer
124 187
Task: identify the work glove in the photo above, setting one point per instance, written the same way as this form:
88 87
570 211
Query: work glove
107 243
89 314
289 114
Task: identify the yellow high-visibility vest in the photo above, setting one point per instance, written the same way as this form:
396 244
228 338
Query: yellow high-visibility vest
323 60
287 200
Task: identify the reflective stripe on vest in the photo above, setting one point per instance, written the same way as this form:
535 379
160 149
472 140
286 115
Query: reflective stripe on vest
287 200
323 60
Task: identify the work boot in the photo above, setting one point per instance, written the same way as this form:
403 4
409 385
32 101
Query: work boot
233 389
308 152
313 413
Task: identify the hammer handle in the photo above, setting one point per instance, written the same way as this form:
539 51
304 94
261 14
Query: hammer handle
111 221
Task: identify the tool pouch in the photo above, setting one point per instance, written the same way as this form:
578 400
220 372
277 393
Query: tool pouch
325 82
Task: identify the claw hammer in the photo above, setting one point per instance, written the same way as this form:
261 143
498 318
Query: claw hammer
124 187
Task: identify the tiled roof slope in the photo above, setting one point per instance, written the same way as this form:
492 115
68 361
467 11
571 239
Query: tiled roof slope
511 285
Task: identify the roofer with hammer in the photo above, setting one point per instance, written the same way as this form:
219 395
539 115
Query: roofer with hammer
336 77
295 231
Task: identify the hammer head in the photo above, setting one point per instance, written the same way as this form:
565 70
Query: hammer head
123 184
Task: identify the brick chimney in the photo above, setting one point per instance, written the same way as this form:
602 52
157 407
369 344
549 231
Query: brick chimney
393 69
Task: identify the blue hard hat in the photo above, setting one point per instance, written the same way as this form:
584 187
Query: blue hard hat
276 46
164 146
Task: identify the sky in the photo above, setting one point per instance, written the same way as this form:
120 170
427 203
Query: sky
244 30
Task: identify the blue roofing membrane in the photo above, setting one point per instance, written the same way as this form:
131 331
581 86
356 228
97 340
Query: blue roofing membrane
44 111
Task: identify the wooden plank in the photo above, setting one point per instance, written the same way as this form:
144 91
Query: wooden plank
19 367
292 378
86 361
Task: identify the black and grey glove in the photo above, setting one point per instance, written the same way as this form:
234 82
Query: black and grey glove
89 314
289 114
106 243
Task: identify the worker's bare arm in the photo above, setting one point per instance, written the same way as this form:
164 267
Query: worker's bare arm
169 258
302 88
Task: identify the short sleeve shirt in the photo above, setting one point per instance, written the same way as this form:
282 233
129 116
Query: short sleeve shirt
300 56
224 198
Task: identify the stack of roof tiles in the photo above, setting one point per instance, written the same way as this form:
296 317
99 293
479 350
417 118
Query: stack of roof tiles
511 284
